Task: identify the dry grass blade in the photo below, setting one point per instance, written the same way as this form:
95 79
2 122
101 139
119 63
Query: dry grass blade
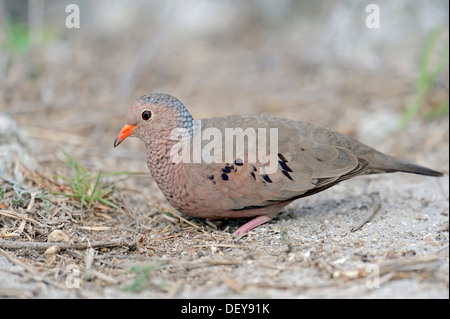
372 213
170 214
389 268
95 228
14 215
121 241
221 246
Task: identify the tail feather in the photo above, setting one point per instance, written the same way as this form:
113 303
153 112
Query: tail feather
389 164
408 167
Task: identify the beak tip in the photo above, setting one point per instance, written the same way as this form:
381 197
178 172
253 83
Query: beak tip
124 133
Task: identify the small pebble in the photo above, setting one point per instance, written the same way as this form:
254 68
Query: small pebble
57 236
51 250
428 239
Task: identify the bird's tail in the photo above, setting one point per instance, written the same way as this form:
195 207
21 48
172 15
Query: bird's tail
388 164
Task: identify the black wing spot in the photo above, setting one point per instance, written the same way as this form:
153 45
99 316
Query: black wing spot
239 162
287 175
283 158
227 169
266 178
284 166
253 175
225 177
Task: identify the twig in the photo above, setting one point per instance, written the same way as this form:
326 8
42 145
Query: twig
31 203
213 262
188 222
90 256
221 246
390 267
165 237
94 228
30 206
161 209
121 241
88 260
373 210
17 216
104 277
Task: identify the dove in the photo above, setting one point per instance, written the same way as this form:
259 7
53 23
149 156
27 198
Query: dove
305 159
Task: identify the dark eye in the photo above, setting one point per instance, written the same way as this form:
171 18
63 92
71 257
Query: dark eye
146 115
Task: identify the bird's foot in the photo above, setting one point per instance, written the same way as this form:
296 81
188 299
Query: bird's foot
252 224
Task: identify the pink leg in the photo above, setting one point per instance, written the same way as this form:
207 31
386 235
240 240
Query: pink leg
252 224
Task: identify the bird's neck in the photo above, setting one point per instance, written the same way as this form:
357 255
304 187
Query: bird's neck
170 176
168 169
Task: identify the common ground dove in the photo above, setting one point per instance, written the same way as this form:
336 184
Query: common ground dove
303 160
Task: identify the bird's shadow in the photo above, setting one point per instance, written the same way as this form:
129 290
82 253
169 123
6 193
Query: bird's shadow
313 210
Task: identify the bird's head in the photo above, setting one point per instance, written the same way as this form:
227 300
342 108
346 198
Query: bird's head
153 117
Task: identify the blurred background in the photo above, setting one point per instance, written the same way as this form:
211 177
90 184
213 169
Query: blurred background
314 61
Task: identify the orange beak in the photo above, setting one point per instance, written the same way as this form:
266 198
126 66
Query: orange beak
124 133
